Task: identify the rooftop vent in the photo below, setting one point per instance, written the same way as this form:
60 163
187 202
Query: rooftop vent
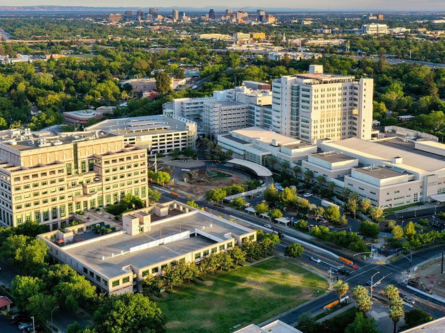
397 160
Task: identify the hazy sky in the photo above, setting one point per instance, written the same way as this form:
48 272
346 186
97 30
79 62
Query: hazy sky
383 5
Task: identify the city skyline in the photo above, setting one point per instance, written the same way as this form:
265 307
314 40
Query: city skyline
380 5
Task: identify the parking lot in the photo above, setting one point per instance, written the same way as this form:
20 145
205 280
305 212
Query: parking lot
6 326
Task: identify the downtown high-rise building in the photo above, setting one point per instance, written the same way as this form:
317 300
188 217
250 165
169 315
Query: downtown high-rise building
212 14
316 106
175 15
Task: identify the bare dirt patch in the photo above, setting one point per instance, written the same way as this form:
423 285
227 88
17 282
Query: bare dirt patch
431 278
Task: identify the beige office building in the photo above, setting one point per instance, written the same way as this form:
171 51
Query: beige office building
46 177
152 239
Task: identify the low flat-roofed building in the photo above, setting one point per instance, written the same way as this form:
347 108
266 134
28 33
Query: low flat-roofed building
81 117
329 164
152 238
390 172
158 134
276 326
256 144
435 326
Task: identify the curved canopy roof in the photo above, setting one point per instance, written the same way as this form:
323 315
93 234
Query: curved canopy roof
258 169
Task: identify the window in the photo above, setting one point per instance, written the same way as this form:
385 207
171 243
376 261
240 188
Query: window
115 283
104 282
126 279
198 255
154 270
229 245
221 247
83 166
163 267
145 273
85 270
214 250
98 278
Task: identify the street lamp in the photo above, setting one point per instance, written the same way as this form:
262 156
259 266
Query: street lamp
33 326
52 324
372 284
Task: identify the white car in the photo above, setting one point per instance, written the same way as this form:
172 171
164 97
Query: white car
268 226
317 260
307 195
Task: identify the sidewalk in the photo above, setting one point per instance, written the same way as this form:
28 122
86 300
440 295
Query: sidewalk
336 313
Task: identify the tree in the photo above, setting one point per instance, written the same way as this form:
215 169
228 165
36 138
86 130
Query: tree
74 292
415 318
351 206
297 170
361 296
24 287
397 232
332 213
271 161
362 325
396 313
341 288
308 175
151 285
294 250
216 195
365 204
275 214
271 194
342 220
261 208
375 212
172 276
40 306
303 205
238 202
331 186
345 193
288 197
163 82
261 235
225 260
409 231
302 225
193 204
128 313
391 293
320 180
369 229
318 211
237 254
154 195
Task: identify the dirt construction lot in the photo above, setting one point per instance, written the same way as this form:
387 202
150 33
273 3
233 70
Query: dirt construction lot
200 181
429 275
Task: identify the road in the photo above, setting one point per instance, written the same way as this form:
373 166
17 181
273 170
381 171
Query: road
389 273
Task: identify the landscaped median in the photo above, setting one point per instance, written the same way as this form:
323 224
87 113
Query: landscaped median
251 294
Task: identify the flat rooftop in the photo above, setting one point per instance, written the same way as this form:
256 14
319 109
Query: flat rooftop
23 141
260 134
385 150
84 114
91 253
140 126
333 157
324 77
380 172
232 138
225 103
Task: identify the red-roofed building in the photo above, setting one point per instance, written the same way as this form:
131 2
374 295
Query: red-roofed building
5 303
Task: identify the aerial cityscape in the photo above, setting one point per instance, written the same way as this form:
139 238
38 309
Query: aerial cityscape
251 167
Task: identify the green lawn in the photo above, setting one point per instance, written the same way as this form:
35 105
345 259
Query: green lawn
247 295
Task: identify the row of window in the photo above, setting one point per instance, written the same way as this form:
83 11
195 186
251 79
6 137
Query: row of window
36 175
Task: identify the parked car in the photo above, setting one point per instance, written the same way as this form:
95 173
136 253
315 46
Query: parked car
22 326
307 195
408 300
317 260
268 226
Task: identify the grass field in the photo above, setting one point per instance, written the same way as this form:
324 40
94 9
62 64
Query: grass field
247 295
